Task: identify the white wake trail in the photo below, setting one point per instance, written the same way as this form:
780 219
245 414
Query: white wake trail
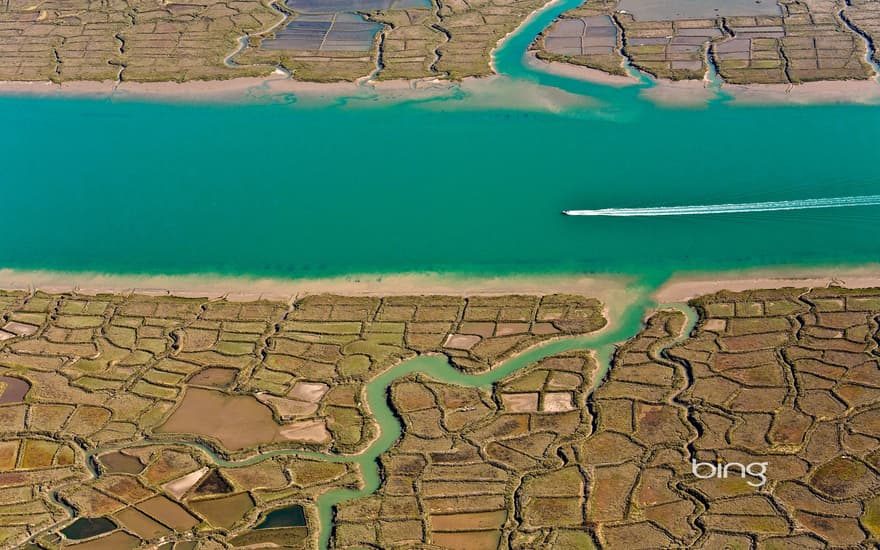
703 209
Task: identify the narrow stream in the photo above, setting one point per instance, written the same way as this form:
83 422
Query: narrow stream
627 324
624 325
870 47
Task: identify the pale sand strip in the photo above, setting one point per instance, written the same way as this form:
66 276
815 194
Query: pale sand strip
491 92
666 92
613 291
195 90
682 288
233 89
808 93
694 93
679 93
578 72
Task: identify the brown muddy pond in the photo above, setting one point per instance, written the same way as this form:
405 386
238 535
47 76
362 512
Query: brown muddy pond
14 389
165 511
237 421
118 462
215 377
141 524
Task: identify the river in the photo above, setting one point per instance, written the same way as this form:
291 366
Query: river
288 189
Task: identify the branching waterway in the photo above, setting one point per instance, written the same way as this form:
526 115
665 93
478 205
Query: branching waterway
624 326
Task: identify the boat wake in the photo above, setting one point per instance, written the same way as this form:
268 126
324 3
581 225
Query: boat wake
736 208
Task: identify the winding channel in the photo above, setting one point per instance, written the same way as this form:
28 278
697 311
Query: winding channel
622 327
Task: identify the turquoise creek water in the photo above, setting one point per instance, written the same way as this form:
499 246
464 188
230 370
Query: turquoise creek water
603 343
281 188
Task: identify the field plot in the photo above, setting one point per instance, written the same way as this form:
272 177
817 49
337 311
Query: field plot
179 494
786 378
451 479
340 40
474 28
587 36
139 41
118 412
419 39
114 436
338 343
334 32
583 36
749 42
673 10
25 463
675 49
800 46
320 46
592 41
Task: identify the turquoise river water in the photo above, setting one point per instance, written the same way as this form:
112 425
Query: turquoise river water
280 188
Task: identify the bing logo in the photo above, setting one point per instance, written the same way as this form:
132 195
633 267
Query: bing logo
722 470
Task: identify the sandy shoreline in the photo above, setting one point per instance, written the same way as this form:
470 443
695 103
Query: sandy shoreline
681 288
614 290
608 288
578 72
695 93
809 93
689 93
481 93
215 90
680 93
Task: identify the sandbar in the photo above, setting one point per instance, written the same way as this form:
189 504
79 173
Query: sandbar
193 90
683 287
808 93
494 91
611 290
579 72
480 93
680 93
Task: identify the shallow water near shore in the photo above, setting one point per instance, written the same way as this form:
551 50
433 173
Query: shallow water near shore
452 183
272 190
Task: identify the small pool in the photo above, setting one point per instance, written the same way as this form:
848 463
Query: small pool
14 389
116 462
292 516
84 528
